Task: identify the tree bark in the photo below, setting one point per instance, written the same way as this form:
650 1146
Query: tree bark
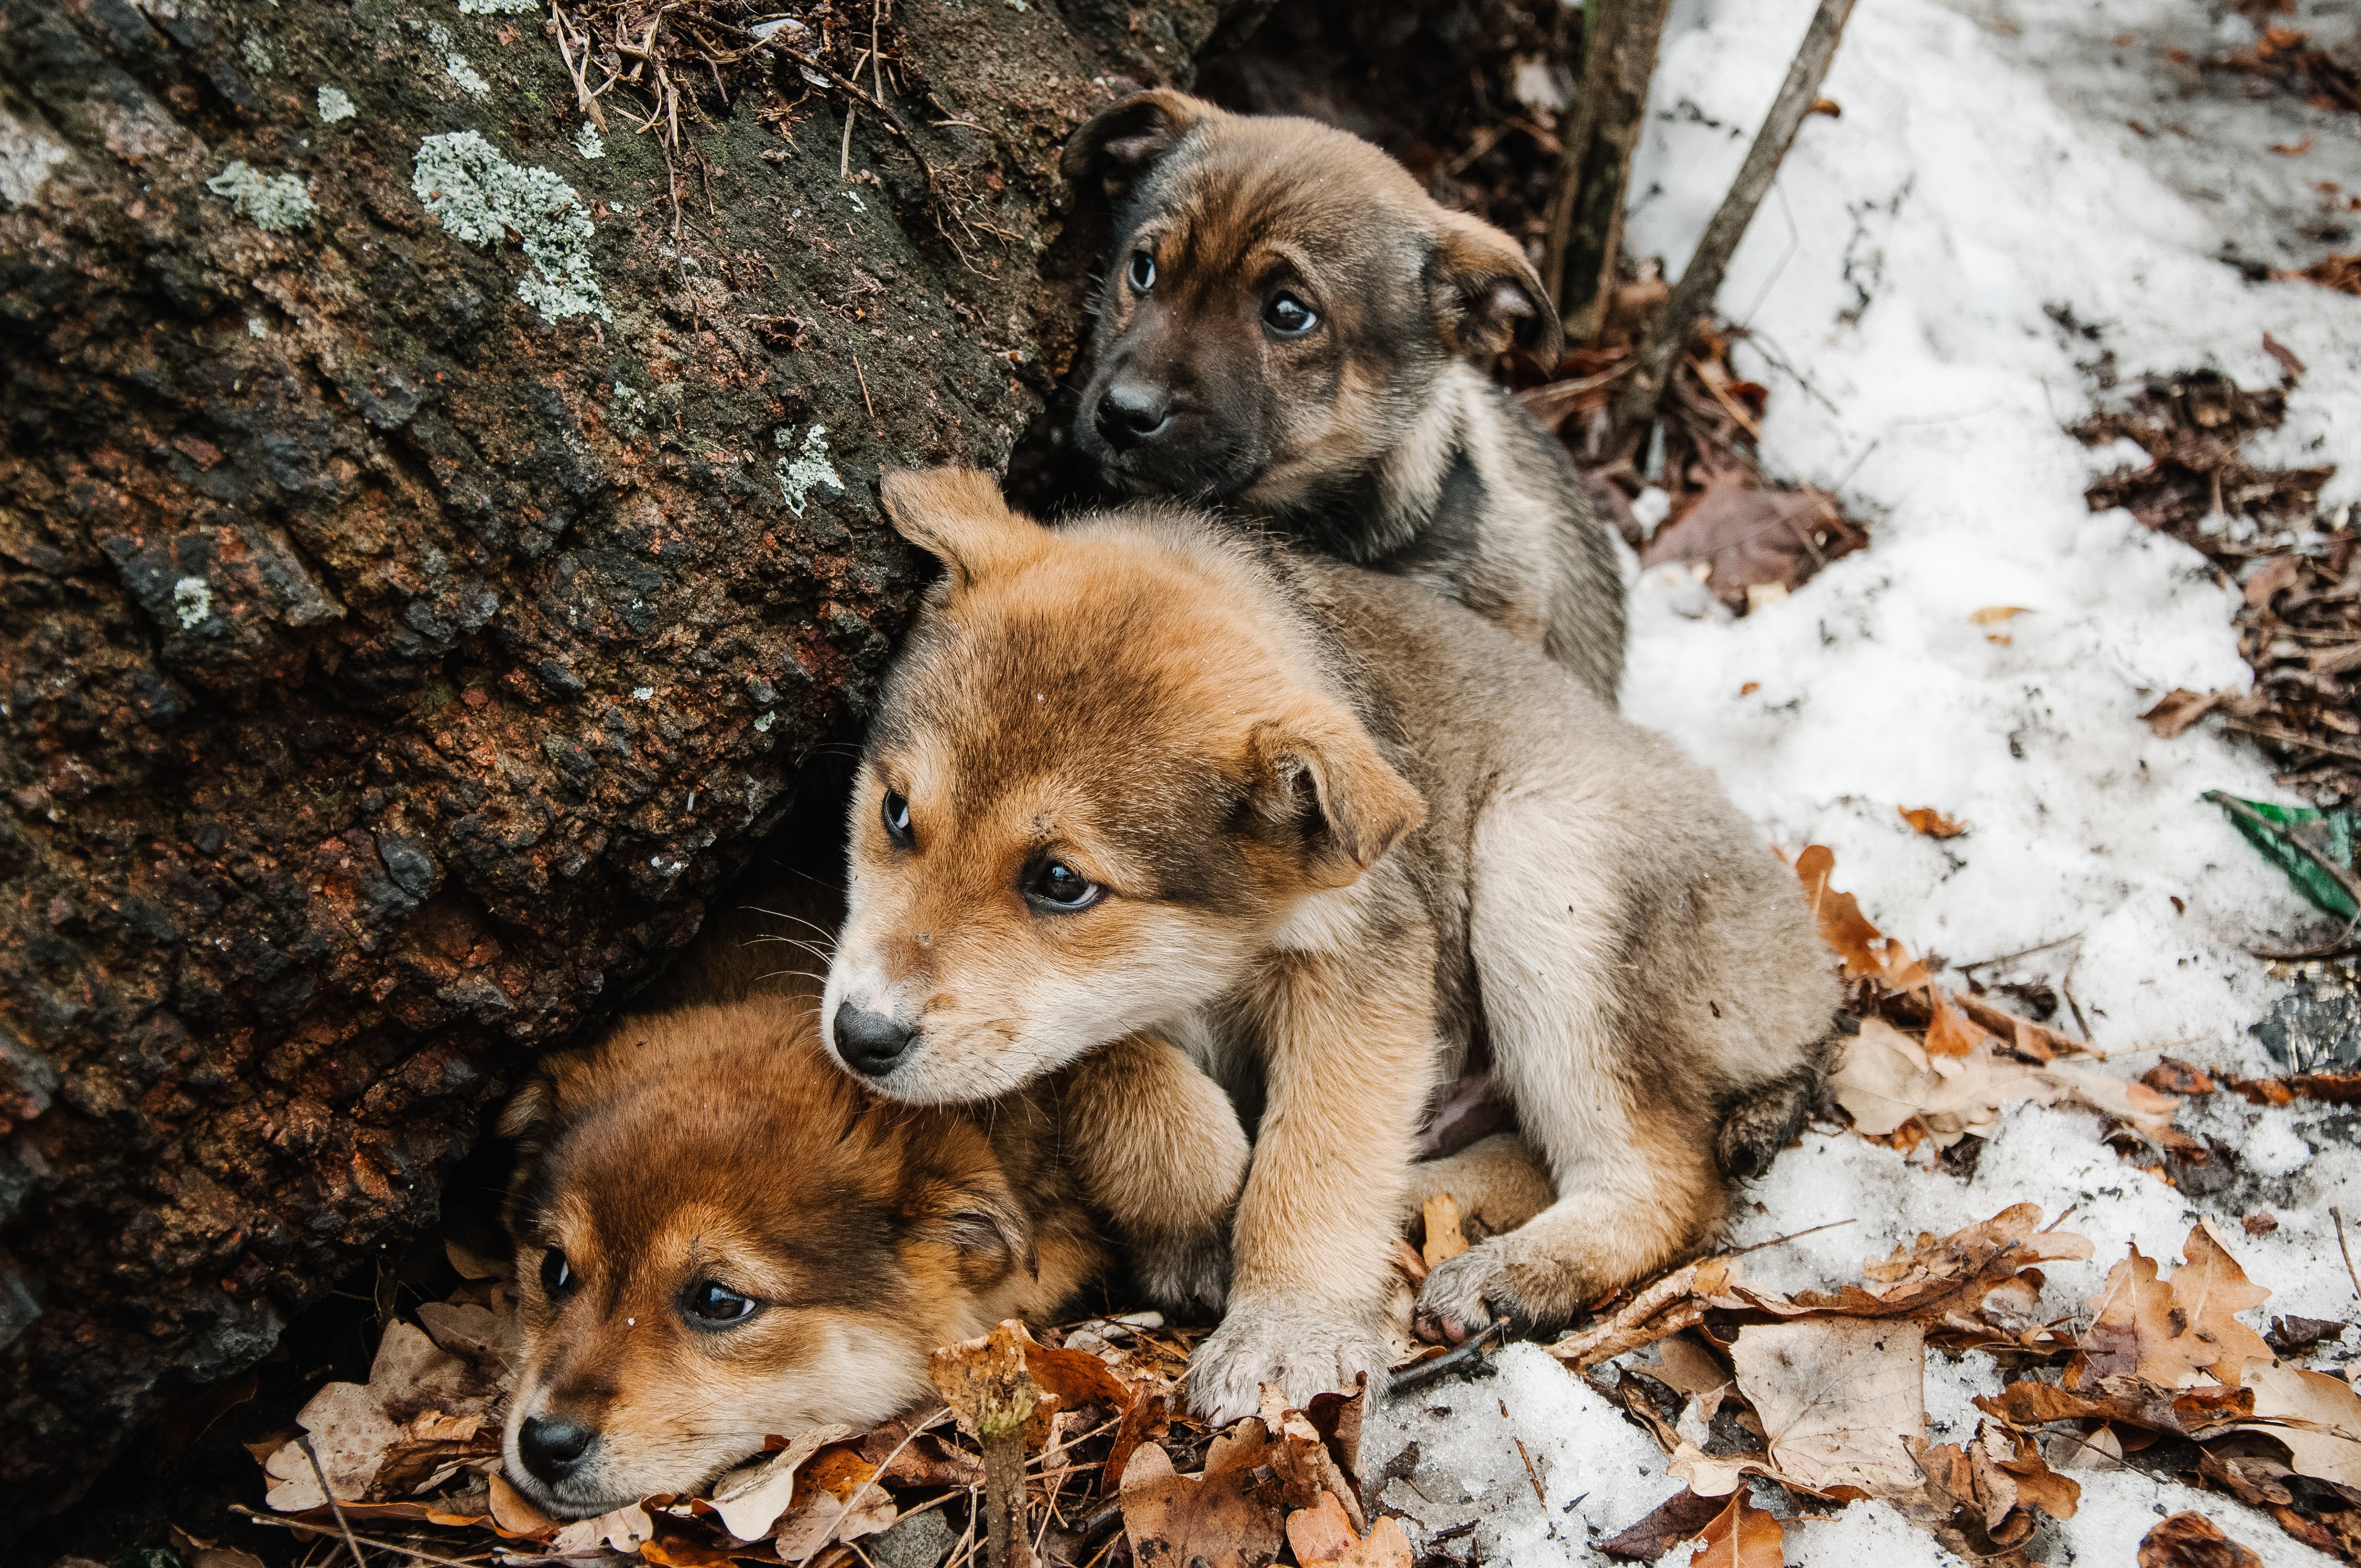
422 590
1585 215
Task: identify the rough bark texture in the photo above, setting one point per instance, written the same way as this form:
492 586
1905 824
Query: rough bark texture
1585 216
389 673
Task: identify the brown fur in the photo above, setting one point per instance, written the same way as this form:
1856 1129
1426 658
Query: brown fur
718 1142
1373 435
1339 829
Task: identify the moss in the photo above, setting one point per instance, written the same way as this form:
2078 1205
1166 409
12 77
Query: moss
278 202
480 196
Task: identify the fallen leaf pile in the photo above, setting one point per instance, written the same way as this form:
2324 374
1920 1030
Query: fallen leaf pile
2326 78
1931 1066
2300 619
1820 1396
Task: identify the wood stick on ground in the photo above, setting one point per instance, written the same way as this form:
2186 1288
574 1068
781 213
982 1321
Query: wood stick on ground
338 1509
1701 280
307 1528
1586 209
2348 1252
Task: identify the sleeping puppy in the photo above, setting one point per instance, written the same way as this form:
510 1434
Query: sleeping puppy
1144 778
1292 328
720 1236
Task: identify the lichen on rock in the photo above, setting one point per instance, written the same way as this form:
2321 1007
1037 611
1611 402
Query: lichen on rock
811 466
480 196
277 203
335 105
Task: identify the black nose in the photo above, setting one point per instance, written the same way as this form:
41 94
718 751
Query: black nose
1130 413
553 1450
870 1042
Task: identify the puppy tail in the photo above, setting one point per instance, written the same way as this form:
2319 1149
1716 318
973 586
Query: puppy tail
1760 1122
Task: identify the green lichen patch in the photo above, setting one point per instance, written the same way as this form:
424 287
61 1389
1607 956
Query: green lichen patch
480 197
277 203
808 467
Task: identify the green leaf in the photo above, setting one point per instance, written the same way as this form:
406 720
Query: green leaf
2276 830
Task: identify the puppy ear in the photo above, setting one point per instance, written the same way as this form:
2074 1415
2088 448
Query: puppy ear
957 516
1320 782
980 1221
1491 296
1115 147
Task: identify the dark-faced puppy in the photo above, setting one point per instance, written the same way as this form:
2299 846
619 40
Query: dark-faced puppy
721 1237
1291 327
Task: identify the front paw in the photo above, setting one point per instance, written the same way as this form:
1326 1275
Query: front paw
1303 1353
1469 1292
1187 1277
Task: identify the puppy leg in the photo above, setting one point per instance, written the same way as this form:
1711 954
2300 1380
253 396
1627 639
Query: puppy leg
1631 1151
1498 1182
1350 1044
1155 1146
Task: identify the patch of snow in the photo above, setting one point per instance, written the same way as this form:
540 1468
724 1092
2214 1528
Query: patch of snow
335 105
808 467
1899 282
192 602
1649 508
479 196
277 203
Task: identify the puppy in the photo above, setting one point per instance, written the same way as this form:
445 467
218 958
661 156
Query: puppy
720 1236
1291 328
1144 778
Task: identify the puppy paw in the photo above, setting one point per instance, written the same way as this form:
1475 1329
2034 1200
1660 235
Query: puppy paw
1467 1293
1302 1354
1187 1277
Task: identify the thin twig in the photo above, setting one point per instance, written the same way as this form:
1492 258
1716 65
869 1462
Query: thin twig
1470 1354
304 1441
1539 1496
2349 1274
854 1497
1701 278
310 1529
863 375
1792 1236
2021 953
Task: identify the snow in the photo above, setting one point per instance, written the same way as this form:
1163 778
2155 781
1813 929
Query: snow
1919 286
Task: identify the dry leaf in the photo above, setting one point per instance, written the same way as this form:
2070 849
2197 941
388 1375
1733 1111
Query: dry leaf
1867 952
476 1334
1887 1079
2202 1411
1225 1515
1384 1547
1748 538
1991 614
2179 708
2318 1417
750 1498
1678 1518
514 1515
2176 1333
835 1501
1949 1033
1840 1400
2190 1540
626 1529
1926 819
2035 1042
1320 1532
1741 1536
1444 1236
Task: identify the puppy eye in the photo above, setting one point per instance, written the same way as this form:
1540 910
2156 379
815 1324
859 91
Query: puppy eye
897 816
710 1301
1289 316
1060 886
1142 271
557 1279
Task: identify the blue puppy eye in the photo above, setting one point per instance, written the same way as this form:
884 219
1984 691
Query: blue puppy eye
1289 316
1142 271
711 1302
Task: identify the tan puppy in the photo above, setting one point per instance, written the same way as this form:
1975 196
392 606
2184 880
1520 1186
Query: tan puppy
720 1236
1141 780
1294 329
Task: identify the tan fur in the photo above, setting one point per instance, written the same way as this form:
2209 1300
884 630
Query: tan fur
1377 434
718 1142
1339 827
